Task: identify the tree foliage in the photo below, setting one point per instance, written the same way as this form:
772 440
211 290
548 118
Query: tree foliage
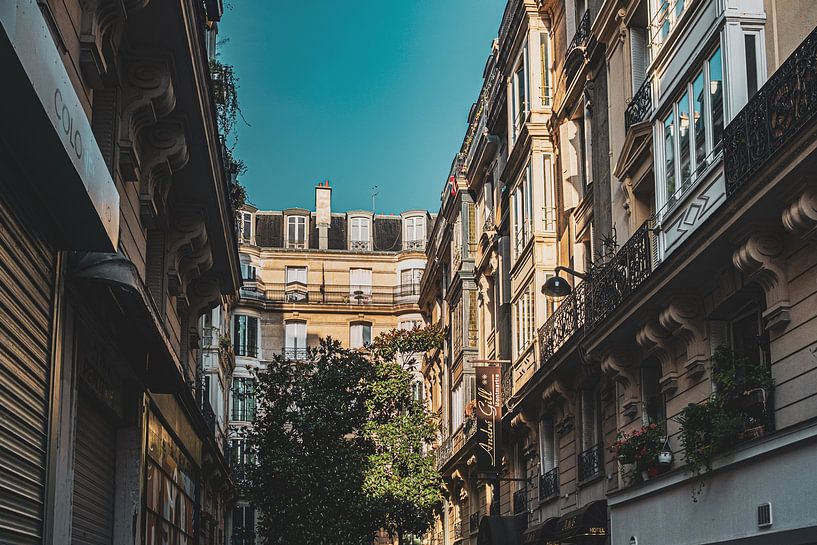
341 444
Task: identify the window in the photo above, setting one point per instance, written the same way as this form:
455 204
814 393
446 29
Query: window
415 229
360 335
296 232
548 453
245 336
295 335
296 275
246 226
667 15
522 208
410 280
248 272
654 408
692 129
243 525
360 286
243 399
544 52
747 337
360 233
591 418
519 93
457 406
408 325
417 390
524 316
639 56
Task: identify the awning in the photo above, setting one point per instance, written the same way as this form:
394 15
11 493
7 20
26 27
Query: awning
497 530
541 534
588 522
113 286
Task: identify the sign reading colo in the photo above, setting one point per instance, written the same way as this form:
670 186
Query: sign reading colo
488 410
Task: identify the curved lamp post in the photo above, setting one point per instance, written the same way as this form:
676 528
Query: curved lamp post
557 287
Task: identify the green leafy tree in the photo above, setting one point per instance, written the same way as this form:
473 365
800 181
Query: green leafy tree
311 450
401 477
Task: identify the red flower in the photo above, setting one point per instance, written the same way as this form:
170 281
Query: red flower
652 471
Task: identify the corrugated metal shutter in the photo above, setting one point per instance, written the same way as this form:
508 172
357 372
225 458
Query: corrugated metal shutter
94 464
26 284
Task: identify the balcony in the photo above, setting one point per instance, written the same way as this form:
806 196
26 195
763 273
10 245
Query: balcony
298 293
452 444
242 537
549 484
773 117
473 522
520 504
640 106
590 462
295 354
360 245
458 530
582 35
414 245
567 320
407 290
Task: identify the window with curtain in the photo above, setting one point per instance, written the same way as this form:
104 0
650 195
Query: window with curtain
295 334
415 228
360 285
296 232
360 334
243 395
524 317
296 275
248 271
245 335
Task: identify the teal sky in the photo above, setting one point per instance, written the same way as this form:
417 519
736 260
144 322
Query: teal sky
359 92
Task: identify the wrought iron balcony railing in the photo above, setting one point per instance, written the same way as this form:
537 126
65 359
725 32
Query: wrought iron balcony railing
773 117
590 462
414 245
209 415
407 290
242 537
639 107
618 278
360 245
458 530
299 293
473 522
520 501
582 35
565 322
507 383
295 354
246 350
549 484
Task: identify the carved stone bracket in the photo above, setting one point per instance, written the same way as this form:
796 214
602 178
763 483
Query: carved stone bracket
760 259
163 149
656 342
684 319
800 217
556 391
188 250
619 363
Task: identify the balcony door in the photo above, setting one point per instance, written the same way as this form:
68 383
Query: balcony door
360 285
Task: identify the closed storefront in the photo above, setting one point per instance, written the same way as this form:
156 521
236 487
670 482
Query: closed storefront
27 266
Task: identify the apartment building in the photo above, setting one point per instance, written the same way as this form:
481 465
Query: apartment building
116 233
311 275
673 139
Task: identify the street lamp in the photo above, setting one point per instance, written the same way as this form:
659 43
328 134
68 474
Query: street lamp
557 287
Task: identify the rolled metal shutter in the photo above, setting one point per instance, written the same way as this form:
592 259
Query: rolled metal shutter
94 466
26 298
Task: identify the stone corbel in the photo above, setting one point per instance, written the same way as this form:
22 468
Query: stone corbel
800 217
163 149
657 342
187 237
760 260
684 318
555 391
100 32
148 96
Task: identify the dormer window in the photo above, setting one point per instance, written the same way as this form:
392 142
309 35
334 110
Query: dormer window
414 236
246 227
360 229
296 232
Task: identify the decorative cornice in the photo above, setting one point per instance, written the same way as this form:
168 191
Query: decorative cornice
760 259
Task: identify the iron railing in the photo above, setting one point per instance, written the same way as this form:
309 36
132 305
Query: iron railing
773 117
242 537
295 354
444 451
617 279
582 35
549 484
473 522
520 504
416 245
458 530
246 350
360 246
567 320
590 462
639 107
298 293
506 377
407 290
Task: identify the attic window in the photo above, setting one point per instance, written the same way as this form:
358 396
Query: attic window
296 232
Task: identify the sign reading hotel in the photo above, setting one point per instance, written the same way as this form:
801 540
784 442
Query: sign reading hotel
489 417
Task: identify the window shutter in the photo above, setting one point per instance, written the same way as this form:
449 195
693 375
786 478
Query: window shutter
638 56
718 335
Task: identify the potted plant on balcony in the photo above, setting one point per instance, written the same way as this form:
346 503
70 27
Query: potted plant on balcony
639 452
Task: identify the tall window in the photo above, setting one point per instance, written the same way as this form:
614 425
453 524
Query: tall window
243 399
296 275
652 398
360 286
415 228
243 525
248 272
245 336
544 52
524 315
410 281
246 226
457 406
360 334
548 454
591 419
693 128
296 232
360 233
519 93
295 339
522 207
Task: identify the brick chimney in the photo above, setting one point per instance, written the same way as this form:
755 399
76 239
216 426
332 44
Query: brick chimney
323 213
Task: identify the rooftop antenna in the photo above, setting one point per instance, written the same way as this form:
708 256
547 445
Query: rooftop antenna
375 193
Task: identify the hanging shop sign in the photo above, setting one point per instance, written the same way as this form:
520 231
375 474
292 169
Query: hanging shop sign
489 415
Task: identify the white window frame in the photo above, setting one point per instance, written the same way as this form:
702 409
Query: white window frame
297 221
415 228
519 109
246 227
522 211
546 86
457 405
360 334
548 445
524 319
295 334
296 274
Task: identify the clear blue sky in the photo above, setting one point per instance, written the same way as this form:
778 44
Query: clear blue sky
360 92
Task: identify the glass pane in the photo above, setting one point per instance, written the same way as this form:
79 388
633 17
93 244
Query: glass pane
716 95
751 64
669 155
520 89
683 138
699 119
